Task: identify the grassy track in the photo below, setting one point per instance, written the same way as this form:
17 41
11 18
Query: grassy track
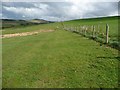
58 59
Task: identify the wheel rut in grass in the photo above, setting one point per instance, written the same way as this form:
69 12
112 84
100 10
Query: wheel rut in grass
24 33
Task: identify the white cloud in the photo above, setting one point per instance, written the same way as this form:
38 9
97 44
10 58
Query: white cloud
79 9
43 6
60 1
29 12
114 13
74 9
77 1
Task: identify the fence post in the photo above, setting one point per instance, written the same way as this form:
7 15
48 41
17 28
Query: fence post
97 32
76 29
85 30
107 33
80 29
70 28
98 28
93 33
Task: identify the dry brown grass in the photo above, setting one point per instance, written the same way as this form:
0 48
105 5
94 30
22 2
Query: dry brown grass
24 34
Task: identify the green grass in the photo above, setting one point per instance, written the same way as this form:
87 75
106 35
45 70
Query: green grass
58 59
111 21
100 24
28 28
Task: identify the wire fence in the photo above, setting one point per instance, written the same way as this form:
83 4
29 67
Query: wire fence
94 32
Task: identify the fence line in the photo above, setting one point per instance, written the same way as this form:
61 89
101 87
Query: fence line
90 31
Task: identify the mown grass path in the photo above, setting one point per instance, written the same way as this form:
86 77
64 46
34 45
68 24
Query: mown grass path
58 59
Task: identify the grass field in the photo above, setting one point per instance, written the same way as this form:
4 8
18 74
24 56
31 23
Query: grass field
29 28
58 59
111 21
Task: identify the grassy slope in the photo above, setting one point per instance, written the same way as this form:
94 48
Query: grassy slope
11 23
112 21
58 59
7 23
29 28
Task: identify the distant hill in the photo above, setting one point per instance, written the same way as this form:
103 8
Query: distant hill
7 23
98 18
38 21
102 21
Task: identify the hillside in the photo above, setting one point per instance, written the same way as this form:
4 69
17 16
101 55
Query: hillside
7 23
100 25
39 21
98 18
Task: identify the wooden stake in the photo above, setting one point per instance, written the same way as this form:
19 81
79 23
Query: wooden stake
85 31
107 33
93 33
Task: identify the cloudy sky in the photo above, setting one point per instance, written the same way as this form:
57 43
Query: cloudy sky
57 11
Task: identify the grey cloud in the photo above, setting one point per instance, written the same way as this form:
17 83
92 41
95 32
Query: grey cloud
59 10
103 9
18 4
9 14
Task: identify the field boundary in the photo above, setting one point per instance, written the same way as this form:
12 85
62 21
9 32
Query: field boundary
93 32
